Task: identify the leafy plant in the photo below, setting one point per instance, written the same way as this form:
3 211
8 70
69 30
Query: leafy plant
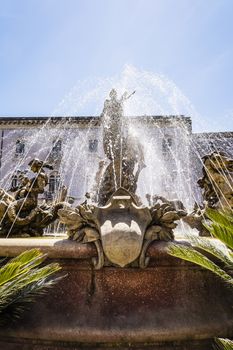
221 228
22 279
223 344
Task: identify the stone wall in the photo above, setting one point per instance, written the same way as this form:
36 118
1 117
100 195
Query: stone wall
165 139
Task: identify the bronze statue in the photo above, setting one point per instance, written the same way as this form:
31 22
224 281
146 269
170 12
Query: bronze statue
123 151
22 214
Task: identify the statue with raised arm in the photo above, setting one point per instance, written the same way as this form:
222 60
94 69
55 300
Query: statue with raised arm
124 151
113 124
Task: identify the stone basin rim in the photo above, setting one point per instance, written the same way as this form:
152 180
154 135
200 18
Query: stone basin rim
62 248
91 335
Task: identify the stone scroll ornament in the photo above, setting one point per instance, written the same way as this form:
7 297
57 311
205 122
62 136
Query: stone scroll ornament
121 230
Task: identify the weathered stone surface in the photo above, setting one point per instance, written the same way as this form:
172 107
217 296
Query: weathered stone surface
170 305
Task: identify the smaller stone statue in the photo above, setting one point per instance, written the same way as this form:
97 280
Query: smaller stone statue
217 180
22 214
217 189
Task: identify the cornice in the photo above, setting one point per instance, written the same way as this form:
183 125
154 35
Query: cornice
208 135
89 121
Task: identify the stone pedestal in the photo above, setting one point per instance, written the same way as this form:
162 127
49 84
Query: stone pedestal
172 304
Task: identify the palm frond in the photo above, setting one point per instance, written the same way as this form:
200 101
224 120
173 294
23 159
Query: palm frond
221 226
222 229
22 280
222 217
223 344
223 233
188 253
20 264
214 247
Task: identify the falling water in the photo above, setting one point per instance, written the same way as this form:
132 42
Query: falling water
155 95
172 155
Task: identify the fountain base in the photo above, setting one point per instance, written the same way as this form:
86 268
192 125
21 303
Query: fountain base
172 304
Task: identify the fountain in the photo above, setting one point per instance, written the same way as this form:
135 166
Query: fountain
121 230
122 288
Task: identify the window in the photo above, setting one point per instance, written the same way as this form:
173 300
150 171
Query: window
56 149
54 183
14 181
48 196
18 179
19 148
93 145
166 145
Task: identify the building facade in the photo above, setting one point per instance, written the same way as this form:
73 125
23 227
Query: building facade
74 147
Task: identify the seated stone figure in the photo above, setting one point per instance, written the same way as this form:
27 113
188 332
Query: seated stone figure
22 214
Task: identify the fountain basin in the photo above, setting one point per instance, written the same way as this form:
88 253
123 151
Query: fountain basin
172 304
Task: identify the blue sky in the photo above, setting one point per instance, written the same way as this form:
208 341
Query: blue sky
46 46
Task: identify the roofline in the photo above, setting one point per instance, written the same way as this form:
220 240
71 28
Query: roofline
91 120
86 117
213 134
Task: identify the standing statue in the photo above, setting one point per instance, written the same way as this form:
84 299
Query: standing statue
22 214
124 151
113 124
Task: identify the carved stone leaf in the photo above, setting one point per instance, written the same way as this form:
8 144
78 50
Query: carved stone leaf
166 235
170 225
165 206
71 218
86 213
91 235
170 216
152 233
77 236
181 213
156 214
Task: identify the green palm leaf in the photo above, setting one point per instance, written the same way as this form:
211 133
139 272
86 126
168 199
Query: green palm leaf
223 233
214 247
223 344
188 253
22 279
221 226
222 229
221 217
